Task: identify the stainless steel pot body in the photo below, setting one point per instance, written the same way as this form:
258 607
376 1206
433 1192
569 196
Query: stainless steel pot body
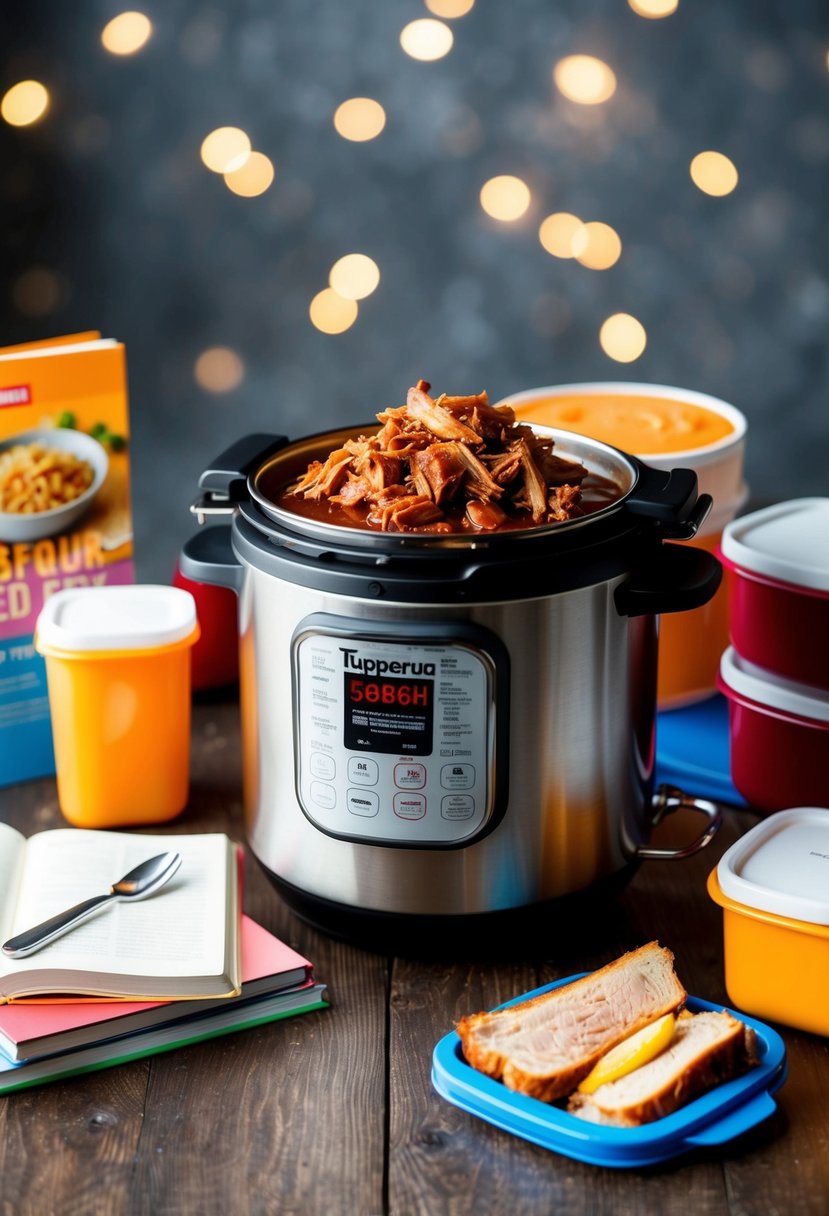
578 727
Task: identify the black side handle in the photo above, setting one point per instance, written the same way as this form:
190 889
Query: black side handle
673 579
666 496
228 473
208 557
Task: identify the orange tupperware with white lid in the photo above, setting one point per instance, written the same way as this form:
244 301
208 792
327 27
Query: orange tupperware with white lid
773 888
118 671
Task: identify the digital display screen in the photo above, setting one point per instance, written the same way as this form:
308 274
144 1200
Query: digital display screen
389 715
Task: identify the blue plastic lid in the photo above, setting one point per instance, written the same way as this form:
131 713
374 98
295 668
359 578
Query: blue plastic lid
714 1118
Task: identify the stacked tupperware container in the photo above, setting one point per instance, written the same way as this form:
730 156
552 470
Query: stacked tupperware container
775 674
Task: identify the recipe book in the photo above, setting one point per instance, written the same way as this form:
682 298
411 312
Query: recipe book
65 515
182 942
26 1029
232 1015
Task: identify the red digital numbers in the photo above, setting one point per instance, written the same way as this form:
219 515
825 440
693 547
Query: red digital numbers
387 692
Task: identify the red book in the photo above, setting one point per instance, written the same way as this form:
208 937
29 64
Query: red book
27 1030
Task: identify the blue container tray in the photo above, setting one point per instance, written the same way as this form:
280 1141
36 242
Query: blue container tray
712 1119
692 750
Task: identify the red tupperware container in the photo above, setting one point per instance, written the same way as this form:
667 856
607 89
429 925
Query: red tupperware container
779 736
778 564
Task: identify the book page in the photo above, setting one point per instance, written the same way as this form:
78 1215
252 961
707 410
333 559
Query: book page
179 931
12 846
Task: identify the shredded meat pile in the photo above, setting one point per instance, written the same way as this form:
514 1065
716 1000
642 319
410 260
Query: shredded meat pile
435 464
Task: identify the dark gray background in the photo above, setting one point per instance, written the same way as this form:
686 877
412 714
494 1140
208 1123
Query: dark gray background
109 195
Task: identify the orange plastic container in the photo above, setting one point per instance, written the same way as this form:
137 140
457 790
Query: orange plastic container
666 427
771 886
118 671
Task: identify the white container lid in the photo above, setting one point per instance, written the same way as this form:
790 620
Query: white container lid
782 866
142 617
788 542
767 689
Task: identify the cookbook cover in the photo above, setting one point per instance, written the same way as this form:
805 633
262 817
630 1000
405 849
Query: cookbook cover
65 518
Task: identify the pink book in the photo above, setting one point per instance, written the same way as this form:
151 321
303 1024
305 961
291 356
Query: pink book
26 1030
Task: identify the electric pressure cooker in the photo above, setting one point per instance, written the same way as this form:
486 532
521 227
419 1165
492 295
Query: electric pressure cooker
441 727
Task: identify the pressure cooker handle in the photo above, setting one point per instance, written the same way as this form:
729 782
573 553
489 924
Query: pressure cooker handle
669 498
670 578
668 799
208 557
228 473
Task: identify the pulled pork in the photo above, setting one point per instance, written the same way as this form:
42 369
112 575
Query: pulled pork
439 465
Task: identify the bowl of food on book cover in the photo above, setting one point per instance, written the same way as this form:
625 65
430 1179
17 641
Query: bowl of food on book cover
48 479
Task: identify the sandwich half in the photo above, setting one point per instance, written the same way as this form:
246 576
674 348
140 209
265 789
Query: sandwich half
546 1046
706 1050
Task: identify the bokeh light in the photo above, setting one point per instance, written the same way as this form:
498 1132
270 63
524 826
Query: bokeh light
426 39
450 8
253 178
597 246
354 276
219 369
24 103
126 33
225 149
558 233
714 173
622 337
654 8
584 79
332 313
37 292
505 198
359 119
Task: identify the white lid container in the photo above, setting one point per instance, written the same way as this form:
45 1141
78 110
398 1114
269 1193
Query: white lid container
140 617
782 866
788 542
765 688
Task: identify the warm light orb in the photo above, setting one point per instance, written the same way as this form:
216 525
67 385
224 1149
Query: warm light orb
597 246
219 369
359 119
331 313
505 198
584 79
426 39
126 33
558 233
253 178
225 149
24 103
622 337
450 8
354 276
654 8
714 173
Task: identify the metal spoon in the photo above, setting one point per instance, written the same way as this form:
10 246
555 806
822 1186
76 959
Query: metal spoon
144 880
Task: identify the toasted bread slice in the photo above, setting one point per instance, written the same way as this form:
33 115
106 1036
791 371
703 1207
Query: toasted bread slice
707 1049
544 1047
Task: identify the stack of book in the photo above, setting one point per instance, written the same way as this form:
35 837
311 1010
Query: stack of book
177 968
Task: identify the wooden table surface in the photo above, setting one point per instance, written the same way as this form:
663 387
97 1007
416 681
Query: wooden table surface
333 1111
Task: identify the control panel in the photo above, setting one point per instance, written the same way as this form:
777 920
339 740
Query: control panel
395 730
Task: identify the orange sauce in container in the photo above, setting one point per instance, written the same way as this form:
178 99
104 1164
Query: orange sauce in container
646 426
666 427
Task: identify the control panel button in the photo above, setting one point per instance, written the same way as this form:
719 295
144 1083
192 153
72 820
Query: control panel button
363 771
457 776
409 806
362 802
324 795
322 766
457 806
409 776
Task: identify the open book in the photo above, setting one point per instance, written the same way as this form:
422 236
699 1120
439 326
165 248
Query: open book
181 942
